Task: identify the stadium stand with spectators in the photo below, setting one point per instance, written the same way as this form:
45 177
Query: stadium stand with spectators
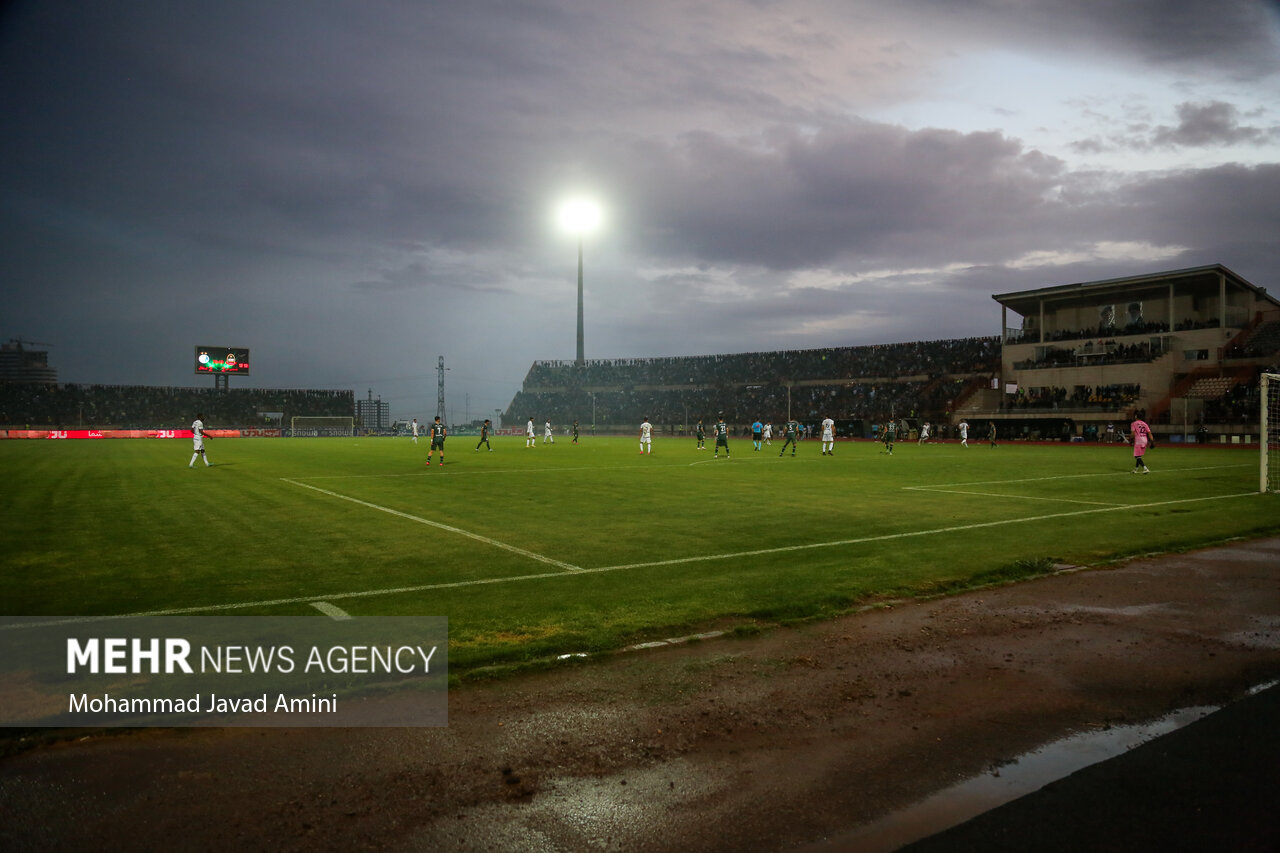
919 379
70 405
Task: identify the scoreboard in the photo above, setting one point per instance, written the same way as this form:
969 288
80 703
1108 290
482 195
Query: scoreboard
222 361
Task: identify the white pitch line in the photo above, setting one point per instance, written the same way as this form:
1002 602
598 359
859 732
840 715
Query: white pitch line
334 612
487 471
369 593
887 536
1012 497
1075 476
446 527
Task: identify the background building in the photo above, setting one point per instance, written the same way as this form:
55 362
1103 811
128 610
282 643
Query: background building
373 415
18 363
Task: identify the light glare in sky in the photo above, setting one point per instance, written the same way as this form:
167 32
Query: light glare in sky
580 216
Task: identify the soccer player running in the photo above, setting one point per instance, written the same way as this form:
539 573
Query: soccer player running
790 432
722 438
197 440
828 437
484 436
646 437
575 432
530 438
438 433
757 434
1142 439
924 433
768 435
964 433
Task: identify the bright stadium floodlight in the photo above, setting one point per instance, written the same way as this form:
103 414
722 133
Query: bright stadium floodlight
581 217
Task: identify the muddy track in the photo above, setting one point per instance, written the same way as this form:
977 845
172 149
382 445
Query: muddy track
773 742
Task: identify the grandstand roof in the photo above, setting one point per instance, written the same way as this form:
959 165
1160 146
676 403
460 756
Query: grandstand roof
1026 301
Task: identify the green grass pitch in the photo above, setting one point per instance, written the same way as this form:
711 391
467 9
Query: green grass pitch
562 549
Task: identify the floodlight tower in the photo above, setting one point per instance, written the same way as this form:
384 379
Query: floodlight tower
440 369
580 217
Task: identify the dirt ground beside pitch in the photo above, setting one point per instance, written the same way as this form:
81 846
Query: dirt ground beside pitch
776 742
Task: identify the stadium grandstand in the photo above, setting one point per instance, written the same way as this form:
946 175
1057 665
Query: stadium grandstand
70 405
856 386
1184 346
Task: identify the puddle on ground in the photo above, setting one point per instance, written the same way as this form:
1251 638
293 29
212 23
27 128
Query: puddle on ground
1003 784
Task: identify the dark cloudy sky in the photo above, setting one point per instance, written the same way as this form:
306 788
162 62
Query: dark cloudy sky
353 189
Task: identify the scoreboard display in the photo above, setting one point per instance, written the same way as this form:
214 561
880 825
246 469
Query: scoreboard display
222 361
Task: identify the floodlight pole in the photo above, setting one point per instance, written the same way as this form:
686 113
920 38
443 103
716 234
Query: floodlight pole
440 369
581 358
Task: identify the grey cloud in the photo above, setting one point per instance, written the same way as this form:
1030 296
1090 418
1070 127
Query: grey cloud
1214 123
805 200
1234 38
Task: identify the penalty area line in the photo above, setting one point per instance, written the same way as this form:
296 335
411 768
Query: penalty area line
809 546
1011 497
439 526
1074 476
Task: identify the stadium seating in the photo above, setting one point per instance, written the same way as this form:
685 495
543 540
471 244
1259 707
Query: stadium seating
160 407
917 379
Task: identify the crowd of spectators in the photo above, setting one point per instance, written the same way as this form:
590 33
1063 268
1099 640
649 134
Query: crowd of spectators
738 404
1103 352
1108 397
70 405
961 355
1263 342
859 383
1242 404
1138 327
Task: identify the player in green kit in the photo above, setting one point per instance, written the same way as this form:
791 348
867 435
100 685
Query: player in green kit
484 438
438 433
702 436
722 438
575 432
791 432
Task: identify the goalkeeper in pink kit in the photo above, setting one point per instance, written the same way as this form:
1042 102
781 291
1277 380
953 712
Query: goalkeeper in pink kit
1142 439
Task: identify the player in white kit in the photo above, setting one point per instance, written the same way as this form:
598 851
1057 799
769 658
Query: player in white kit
197 440
828 437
